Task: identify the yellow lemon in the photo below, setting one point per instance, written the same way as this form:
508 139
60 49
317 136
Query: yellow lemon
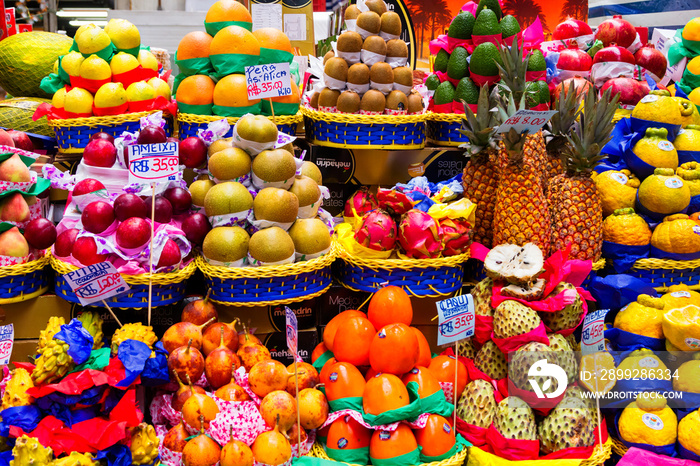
648 420
664 192
689 432
58 98
110 95
691 30
123 62
82 29
139 91
148 60
161 87
682 327
642 360
95 68
616 189
78 100
124 34
71 63
642 317
694 96
688 379
626 227
92 39
680 296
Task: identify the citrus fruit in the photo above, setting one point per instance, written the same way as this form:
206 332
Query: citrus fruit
334 325
92 39
642 317
384 392
424 353
293 98
428 384
624 226
110 95
676 235
196 90
228 10
655 148
444 369
139 91
386 445
690 173
648 420
231 91
345 433
160 87
597 369
123 34
58 98
693 65
664 192
688 431
390 305
71 63
234 39
616 189
688 379
394 349
344 381
352 341
78 100
694 96
271 38
691 30
680 296
123 62
682 328
642 360
437 437
195 44
318 351
148 60
96 68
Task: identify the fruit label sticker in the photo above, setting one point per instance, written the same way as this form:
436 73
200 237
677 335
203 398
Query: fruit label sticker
292 329
692 343
674 183
268 81
153 163
7 338
456 319
681 131
652 421
696 229
648 362
526 121
681 294
648 99
593 331
620 178
665 146
96 283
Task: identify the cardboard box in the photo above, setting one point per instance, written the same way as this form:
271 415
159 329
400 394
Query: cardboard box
162 318
294 17
23 351
276 342
268 319
30 317
338 299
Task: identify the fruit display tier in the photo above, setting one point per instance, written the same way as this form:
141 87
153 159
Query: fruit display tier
73 134
21 282
350 131
663 273
270 285
168 288
189 124
474 270
443 129
600 455
459 459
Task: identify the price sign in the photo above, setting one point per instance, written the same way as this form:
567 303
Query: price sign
7 338
265 81
592 333
455 319
96 282
526 120
150 163
292 331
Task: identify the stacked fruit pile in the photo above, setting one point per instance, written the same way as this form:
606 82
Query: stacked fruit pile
238 405
682 53
212 65
367 73
40 425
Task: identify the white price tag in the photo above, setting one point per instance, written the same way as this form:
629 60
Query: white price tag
526 120
292 331
266 81
592 333
96 283
149 163
456 319
7 338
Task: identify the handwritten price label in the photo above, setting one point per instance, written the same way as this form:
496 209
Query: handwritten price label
96 282
153 162
529 121
456 319
266 81
7 338
593 332
292 329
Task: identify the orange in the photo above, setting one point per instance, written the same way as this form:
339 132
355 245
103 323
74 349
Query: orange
228 10
345 433
325 370
384 392
271 38
387 445
195 44
231 91
318 351
334 325
293 98
428 384
424 353
196 90
444 367
394 349
352 341
390 305
437 437
234 39
344 381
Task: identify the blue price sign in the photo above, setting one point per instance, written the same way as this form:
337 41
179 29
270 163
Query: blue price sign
593 332
96 282
266 81
292 331
456 319
150 163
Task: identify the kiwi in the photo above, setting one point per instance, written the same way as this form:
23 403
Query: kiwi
274 165
352 12
312 171
396 48
396 100
306 189
373 101
276 205
330 54
219 144
378 6
229 164
271 245
381 73
348 102
350 42
358 73
370 22
415 103
403 75
337 68
328 98
226 244
313 101
375 44
310 236
390 23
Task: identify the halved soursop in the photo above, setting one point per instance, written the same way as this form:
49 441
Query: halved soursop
531 292
515 420
570 424
513 318
482 293
477 404
565 355
524 358
567 318
514 264
466 348
491 361
16 390
29 452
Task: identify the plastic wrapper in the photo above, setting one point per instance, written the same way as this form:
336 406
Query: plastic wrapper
363 32
345 235
214 131
604 71
358 88
253 148
233 219
384 88
332 83
396 62
350 57
256 263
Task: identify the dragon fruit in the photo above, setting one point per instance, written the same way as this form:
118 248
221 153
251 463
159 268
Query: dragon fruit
419 235
394 202
362 201
456 236
377 231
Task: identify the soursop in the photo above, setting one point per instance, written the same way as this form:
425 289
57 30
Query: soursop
491 361
481 294
515 264
567 318
466 348
477 404
515 420
524 358
565 355
570 424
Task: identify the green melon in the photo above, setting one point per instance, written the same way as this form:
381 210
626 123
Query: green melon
17 114
26 58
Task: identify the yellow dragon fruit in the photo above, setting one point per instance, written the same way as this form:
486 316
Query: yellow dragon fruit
53 363
16 390
419 235
377 231
144 444
92 322
52 328
76 459
136 331
29 452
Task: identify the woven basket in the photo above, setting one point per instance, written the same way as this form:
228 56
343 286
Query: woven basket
269 285
459 459
618 447
168 288
350 131
443 129
24 281
73 134
662 273
600 455
474 271
188 124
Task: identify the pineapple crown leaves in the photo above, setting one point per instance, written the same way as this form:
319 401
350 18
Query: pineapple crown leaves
513 72
512 140
589 137
480 128
562 122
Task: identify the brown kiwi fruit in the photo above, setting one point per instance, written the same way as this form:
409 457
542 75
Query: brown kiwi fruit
396 48
358 73
370 22
378 6
328 98
391 23
330 54
375 44
381 73
396 100
403 75
349 41
352 12
313 102
373 101
415 103
337 68
349 102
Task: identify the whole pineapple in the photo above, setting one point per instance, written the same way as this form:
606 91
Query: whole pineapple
477 404
16 390
480 177
576 211
566 105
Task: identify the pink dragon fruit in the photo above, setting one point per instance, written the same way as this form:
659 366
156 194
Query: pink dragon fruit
456 234
362 201
419 235
377 231
394 202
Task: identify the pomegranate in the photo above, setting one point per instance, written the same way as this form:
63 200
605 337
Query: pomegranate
313 408
272 447
581 86
184 392
613 52
268 376
571 28
176 438
187 362
280 406
651 59
199 411
573 59
616 30
631 91
201 451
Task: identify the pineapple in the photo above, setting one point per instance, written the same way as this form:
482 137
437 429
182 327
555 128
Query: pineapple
480 176
577 215
559 126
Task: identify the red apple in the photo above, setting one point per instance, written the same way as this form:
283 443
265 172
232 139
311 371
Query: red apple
151 134
85 251
616 30
103 135
164 210
64 242
193 152
100 153
196 227
40 233
97 216
170 255
651 59
133 233
172 139
88 185
631 91
21 140
573 59
571 28
613 53
6 139
179 198
130 205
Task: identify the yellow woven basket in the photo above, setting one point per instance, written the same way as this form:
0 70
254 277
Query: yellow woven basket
21 282
618 447
459 459
478 457
663 273
188 123
443 129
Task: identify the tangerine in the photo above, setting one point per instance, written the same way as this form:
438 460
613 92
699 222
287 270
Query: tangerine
444 367
325 370
437 437
352 341
428 384
231 91
195 44
344 381
318 351
234 39
228 10
196 90
386 445
272 38
424 353
390 305
334 324
394 349
345 433
384 392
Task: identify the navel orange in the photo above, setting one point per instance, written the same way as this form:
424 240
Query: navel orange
231 91
234 39
196 90
195 44
272 38
228 10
